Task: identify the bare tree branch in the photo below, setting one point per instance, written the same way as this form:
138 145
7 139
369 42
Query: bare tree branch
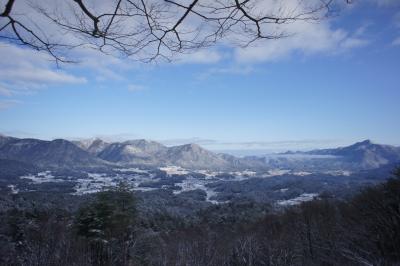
148 30
8 8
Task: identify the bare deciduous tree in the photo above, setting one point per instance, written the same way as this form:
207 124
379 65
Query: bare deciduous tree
152 29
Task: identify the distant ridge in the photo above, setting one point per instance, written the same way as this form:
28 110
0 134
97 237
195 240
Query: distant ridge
98 153
365 154
133 151
194 156
55 153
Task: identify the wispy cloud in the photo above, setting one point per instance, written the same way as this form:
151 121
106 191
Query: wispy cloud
229 70
350 43
24 71
396 20
280 143
246 145
6 104
38 76
19 133
303 37
4 91
182 141
101 66
135 88
200 57
113 137
306 39
396 41
386 3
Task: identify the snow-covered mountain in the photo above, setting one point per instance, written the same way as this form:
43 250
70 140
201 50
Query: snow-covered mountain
133 152
194 156
5 139
153 153
93 146
363 155
55 153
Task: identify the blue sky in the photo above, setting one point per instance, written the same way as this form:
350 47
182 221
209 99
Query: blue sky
331 84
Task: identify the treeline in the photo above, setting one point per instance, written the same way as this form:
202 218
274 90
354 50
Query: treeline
108 230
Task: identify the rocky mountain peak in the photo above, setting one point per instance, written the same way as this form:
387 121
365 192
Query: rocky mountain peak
364 143
191 147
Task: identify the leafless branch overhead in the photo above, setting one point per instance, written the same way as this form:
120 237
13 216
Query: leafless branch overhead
151 29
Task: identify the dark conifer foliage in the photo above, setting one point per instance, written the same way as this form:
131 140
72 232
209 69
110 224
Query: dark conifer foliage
106 229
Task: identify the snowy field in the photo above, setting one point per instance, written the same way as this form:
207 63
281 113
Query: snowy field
173 178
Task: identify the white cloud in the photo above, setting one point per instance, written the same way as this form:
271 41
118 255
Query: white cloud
200 57
37 75
25 70
37 70
309 38
305 38
102 66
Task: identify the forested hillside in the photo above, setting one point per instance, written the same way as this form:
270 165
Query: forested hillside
107 228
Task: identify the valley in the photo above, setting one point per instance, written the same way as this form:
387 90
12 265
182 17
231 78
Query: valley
90 166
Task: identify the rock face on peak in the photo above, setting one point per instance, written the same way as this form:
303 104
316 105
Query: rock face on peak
153 153
364 155
133 151
147 146
56 153
193 156
192 149
92 146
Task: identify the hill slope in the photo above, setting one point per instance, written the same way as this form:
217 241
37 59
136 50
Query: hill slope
56 153
366 154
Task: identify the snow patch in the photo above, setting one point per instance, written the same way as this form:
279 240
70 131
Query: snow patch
42 177
131 170
14 189
338 173
174 170
130 149
191 183
245 173
275 172
296 201
208 173
302 173
96 182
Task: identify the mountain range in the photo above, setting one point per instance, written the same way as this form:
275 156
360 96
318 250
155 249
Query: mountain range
55 153
98 153
363 155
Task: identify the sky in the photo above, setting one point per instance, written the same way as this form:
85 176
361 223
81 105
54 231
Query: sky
330 84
